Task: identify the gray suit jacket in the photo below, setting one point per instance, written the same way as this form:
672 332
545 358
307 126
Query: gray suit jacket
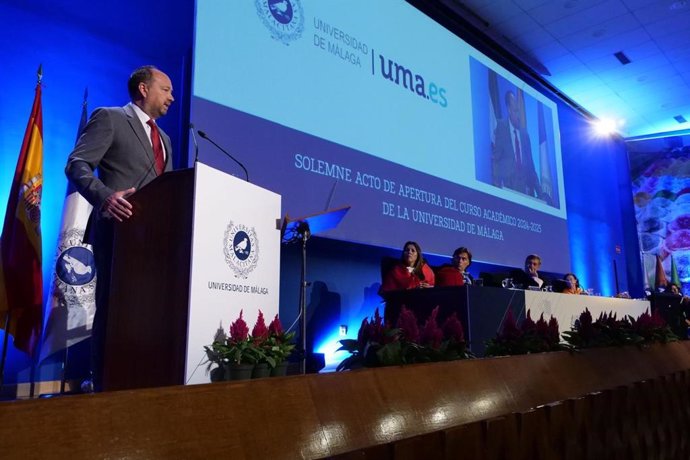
115 143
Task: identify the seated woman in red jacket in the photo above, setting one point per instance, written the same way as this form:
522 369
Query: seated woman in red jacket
412 271
456 273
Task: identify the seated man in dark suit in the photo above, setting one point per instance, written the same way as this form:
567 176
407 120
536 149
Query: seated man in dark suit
674 307
530 277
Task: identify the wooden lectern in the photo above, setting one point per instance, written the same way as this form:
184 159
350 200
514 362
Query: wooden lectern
147 322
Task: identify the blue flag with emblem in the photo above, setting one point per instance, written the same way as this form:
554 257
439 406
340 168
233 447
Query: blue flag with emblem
72 300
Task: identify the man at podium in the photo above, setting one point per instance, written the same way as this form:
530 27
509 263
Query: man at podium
129 150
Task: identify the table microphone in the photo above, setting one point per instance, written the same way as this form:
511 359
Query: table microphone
196 144
204 136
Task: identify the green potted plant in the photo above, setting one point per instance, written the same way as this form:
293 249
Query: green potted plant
216 353
278 346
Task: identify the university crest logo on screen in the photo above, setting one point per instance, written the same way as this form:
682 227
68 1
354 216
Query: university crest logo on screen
283 18
241 249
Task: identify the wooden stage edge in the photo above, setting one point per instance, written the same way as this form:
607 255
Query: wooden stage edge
315 416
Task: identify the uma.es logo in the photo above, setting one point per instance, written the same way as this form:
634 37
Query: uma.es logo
283 18
408 79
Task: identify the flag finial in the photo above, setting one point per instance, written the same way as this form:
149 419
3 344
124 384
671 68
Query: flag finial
39 73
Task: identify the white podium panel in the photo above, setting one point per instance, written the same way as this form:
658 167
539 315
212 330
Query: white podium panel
567 308
235 262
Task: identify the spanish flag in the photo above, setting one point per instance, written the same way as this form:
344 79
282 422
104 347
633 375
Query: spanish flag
21 280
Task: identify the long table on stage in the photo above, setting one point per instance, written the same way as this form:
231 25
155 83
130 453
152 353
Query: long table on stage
482 309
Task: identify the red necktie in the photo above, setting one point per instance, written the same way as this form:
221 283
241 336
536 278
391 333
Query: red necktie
157 147
518 152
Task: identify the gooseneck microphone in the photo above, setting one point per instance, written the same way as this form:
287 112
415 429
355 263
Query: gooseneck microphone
204 136
196 144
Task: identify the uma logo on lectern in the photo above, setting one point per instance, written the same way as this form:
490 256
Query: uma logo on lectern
241 249
284 18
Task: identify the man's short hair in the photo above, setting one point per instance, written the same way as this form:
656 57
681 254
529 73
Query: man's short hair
462 249
532 257
143 74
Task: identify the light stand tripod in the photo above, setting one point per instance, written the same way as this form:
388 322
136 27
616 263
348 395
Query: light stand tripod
301 230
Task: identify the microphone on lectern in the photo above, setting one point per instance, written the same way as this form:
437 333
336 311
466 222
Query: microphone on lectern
196 144
205 136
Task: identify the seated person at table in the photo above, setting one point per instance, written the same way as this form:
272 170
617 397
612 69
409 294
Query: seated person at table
530 277
673 289
411 272
456 273
573 285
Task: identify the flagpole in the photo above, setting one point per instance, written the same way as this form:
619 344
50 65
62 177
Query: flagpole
36 355
4 350
63 377
55 342
615 276
65 359
65 356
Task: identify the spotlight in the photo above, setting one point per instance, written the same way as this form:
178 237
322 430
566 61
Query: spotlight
605 126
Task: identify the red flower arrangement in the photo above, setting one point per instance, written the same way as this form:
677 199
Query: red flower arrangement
609 331
265 344
240 346
379 344
528 337
260 331
432 335
407 323
239 330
